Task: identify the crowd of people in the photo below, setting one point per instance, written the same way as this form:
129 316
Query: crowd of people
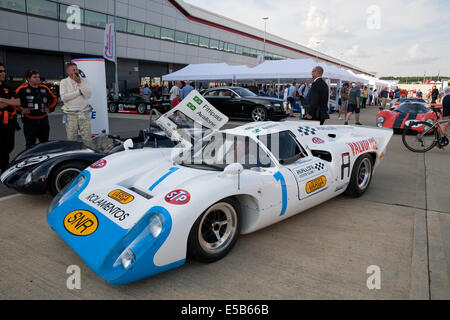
33 101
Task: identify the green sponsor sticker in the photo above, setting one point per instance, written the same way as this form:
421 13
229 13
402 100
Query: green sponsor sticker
198 100
191 106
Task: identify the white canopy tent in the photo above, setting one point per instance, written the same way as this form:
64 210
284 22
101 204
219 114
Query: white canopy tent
279 69
206 71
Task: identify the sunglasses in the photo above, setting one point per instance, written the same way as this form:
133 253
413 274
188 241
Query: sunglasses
2 71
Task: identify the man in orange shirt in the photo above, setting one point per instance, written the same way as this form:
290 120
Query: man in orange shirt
36 100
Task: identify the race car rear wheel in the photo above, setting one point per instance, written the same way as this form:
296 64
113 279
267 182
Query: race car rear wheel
215 232
64 175
361 176
112 107
142 108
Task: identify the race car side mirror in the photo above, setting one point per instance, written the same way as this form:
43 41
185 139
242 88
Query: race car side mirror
128 144
233 169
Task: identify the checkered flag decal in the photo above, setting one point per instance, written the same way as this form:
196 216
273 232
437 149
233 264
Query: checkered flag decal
319 166
307 131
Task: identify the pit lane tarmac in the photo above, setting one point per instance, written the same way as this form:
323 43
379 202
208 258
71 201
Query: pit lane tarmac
400 225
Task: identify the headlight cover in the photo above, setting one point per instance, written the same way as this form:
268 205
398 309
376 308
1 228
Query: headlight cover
141 242
380 121
68 191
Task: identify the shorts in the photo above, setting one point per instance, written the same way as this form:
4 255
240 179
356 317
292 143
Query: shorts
353 108
446 111
344 104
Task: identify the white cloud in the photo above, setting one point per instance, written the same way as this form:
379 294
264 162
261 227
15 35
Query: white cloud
411 36
419 55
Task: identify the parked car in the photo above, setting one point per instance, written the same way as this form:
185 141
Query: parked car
138 213
398 118
237 102
141 104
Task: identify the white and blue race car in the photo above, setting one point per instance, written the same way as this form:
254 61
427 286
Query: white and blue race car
194 201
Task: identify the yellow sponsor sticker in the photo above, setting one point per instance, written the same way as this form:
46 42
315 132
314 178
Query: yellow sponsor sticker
121 196
316 184
81 223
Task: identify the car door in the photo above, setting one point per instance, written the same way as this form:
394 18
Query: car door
215 98
227 102
307 180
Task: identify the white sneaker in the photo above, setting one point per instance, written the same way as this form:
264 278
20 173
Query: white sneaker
340 118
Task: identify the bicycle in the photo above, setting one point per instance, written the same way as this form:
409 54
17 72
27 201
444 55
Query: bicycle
422 136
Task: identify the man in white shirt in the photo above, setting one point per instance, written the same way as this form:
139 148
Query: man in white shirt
75 93
175 93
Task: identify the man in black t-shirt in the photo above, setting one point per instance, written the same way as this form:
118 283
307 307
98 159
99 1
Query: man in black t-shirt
8 116
36 100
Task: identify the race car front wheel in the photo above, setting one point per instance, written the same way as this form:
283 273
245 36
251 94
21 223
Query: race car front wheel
64 175
215 232
361 176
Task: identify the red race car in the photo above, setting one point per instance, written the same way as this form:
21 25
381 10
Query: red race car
400 117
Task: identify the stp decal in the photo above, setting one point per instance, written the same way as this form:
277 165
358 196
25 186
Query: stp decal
317 140
98 164
178 197
81 223
362 146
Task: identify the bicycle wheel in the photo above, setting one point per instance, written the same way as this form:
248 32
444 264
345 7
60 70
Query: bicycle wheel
418 140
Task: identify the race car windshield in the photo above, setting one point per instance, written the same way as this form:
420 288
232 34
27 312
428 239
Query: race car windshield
221 150
412 108
244 92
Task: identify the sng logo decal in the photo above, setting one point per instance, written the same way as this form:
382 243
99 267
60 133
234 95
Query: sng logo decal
81 223
178 197
99 164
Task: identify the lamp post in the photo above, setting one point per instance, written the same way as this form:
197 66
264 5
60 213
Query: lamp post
265 25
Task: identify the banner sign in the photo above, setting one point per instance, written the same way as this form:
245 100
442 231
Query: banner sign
109 52
94 70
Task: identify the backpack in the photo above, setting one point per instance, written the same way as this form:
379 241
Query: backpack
344 95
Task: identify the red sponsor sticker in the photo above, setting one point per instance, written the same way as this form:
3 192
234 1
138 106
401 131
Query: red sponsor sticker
178 197
363 146
317 140
98 164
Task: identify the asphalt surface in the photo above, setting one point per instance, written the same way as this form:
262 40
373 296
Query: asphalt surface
400 225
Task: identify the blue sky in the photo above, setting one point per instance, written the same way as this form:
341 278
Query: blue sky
390 37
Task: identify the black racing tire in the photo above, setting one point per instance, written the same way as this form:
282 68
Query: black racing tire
361 176
418 142
142 108
215 232
64 174
259 113
112 107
